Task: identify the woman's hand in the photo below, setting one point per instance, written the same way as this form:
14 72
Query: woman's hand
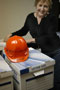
30 40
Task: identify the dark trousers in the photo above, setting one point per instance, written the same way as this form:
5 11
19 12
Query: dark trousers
56 56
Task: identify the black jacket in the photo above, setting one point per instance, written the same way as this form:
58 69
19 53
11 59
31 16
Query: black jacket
44 33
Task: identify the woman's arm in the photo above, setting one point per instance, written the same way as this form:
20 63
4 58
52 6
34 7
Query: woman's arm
23 31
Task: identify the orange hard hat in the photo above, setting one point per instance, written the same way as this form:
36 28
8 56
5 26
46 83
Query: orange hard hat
16 49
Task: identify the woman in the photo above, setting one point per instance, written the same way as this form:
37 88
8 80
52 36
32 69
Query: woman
42 26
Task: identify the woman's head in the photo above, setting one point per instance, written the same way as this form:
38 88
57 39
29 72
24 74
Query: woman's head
49 2
42 7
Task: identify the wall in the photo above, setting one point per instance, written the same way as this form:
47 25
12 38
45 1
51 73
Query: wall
13 14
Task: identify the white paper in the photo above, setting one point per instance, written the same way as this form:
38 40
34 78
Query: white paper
38 73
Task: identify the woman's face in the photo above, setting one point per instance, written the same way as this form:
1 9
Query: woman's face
42 9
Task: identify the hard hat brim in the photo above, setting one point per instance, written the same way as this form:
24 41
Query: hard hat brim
17 58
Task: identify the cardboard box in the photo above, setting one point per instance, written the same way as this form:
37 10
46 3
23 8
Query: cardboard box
6 76
36 73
